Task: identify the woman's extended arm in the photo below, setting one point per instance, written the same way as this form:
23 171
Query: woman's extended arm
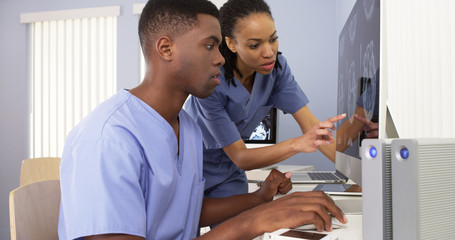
318 135
306 120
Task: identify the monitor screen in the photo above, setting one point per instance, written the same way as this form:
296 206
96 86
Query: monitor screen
358 83
265 132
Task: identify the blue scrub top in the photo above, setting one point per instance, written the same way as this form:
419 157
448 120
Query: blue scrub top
232 113
123 172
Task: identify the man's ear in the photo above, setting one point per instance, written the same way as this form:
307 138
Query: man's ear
230 43
164 47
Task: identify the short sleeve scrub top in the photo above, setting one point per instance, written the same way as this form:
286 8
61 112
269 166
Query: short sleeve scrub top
232 113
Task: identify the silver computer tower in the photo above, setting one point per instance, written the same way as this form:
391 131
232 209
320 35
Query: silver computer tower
423 193
376 189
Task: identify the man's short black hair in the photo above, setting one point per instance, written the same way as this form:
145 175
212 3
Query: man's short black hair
170 18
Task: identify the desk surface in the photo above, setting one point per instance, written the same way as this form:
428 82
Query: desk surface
351 205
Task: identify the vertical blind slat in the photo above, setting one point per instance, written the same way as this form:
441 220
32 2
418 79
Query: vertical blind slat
72 71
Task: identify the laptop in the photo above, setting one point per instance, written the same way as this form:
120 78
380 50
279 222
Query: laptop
300 174
316 177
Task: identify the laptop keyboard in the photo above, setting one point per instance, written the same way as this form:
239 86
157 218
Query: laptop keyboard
322 176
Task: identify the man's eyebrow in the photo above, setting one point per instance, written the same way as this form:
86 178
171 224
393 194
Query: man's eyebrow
214 38
272 34
258 39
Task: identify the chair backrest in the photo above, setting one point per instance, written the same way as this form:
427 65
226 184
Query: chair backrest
34 210
40 169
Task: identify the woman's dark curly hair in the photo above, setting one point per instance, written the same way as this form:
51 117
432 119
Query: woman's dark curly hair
231 12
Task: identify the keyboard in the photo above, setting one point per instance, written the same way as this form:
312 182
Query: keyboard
323 176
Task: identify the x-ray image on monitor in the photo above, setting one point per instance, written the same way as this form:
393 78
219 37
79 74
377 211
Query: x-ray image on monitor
265 131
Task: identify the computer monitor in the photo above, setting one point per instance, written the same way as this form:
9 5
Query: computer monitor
358 84
265 132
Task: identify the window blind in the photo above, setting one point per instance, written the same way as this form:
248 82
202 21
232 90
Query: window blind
72 69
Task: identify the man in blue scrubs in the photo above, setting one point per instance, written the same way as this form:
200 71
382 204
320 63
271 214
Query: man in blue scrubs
132 169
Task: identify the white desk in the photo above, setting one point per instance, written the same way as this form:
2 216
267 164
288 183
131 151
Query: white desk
351 205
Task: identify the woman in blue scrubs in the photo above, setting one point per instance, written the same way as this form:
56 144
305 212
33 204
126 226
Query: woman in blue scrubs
255 78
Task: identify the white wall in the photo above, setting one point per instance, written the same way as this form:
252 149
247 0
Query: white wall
308 35
418 57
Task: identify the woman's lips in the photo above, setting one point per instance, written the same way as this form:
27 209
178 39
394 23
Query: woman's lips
268 66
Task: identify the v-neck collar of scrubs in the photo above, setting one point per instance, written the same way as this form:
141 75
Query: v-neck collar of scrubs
249 96
179 148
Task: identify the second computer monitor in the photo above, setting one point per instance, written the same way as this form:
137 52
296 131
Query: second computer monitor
358 84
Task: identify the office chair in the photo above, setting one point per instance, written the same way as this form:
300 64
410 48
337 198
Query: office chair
34 210
40 169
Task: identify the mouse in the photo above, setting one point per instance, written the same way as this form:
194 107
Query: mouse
335 224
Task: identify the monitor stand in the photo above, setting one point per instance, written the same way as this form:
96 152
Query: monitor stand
350 166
